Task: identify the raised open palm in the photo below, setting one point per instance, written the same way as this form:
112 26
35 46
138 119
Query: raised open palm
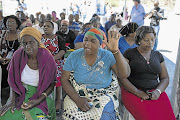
113 40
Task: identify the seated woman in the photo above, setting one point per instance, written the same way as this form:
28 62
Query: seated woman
92 92
32 72
8 45
128 33
143 92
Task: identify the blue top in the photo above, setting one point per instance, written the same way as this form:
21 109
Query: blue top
79 38
137 15
123 45
98 76
103 29
74 27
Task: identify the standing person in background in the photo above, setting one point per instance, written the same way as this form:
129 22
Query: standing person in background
68 35
128 37
74 26
56 45
143 92
22 6
156 15
117 26
39 26
49 18
137 13
111 22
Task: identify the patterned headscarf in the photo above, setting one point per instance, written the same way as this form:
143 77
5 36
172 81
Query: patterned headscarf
93 19
97 33
34 33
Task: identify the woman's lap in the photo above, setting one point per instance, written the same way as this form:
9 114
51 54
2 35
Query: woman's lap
36 113
148 109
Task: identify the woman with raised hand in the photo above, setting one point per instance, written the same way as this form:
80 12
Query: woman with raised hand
91 93
32 75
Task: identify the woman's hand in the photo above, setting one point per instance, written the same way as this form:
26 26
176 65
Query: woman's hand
142 95
7 106
2 60
155 95
113 40
30 104
82 103
6 61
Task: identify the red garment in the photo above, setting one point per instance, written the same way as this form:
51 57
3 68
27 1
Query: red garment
52 45
148 109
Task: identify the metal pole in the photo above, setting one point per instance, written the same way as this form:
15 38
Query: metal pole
124 12
176 83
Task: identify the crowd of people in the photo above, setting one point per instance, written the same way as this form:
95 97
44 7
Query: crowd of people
97 66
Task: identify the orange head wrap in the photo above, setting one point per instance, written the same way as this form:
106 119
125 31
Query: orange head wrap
34 33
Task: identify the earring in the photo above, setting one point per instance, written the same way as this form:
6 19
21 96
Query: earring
138 43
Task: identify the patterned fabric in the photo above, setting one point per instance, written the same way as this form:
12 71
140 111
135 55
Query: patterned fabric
93 19
74 27
35 113
100 98
52 45
97 33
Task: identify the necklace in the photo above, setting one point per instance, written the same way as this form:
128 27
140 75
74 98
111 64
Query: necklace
12 44
144 56
146 60
8 45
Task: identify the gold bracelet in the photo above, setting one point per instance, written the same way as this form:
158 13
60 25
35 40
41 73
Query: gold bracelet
45 94
115 52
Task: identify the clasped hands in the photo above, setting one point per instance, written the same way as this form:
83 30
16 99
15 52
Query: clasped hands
154 95
11 105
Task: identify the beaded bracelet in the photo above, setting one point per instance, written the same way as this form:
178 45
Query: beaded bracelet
159 91
115 52
44 95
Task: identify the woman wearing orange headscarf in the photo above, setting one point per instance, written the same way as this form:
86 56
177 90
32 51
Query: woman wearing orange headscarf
32 74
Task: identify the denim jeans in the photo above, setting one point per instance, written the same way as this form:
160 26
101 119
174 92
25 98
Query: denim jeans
156 29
